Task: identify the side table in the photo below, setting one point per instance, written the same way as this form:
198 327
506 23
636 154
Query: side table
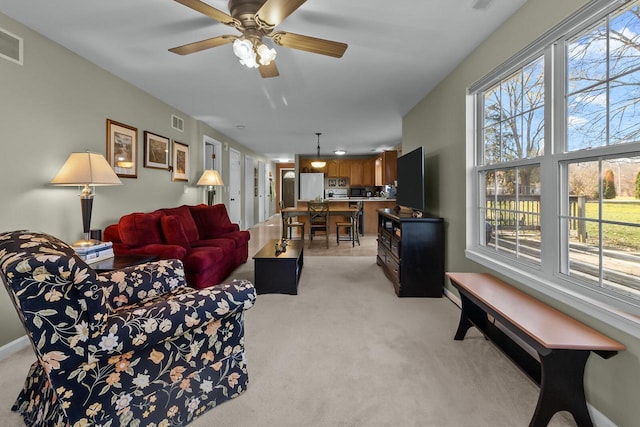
119 262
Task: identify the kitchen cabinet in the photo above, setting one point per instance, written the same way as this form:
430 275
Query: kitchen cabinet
344 166
305 166
356 173
386 168
339 168
367 173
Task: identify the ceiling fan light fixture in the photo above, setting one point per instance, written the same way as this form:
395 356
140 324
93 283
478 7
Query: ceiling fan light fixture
243 49
265 54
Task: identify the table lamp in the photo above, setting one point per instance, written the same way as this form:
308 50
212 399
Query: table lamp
86 169
210 177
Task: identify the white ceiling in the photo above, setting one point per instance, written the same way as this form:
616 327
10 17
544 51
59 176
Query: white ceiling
398 51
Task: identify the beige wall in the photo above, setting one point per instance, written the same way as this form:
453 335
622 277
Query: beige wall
56 103
438 123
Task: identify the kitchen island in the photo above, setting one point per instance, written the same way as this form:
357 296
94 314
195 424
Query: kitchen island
370 206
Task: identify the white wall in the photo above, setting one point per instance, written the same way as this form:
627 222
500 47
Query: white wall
57 103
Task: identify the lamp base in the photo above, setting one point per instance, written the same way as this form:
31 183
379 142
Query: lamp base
85 243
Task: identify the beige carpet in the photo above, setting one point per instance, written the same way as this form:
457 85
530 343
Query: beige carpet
346 351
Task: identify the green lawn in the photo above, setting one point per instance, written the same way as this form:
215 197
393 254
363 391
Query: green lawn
622 237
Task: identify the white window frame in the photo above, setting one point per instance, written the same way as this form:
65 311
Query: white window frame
546 278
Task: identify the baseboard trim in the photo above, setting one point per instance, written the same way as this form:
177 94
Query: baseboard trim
13 347
598 418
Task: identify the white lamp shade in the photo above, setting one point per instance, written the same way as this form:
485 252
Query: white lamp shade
210 177
86 169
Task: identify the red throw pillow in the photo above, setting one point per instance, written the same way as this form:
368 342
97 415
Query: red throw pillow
212 221
140 229
174 232
186 220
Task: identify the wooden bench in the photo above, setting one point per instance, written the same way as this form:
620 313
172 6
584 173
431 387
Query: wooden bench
563 344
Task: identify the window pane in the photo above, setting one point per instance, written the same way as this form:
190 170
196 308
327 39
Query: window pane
512 148
624 42
533 133
511 95
587 59
584 258
584 181
492 105
533 84
624 115
587 119
621 258
492 144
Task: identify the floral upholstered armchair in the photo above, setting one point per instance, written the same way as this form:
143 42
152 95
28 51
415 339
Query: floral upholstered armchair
126 348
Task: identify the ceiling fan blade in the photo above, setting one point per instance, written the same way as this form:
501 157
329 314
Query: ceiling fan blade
309 44
273 12
211 12
270 70
203 44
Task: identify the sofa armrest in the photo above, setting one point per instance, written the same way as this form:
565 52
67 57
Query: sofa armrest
139 283
172 315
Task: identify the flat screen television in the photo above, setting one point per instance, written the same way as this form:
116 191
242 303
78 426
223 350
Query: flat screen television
410 188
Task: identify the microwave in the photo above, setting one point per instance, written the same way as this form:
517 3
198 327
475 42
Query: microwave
357 192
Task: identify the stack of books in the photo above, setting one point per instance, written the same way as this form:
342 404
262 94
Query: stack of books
95 253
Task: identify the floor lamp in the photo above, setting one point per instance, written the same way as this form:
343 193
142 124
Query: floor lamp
210 178
86 170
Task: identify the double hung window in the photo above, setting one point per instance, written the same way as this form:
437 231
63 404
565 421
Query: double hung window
556 172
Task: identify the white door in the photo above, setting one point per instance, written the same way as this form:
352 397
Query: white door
235 192
261 185
249 192
267 194
213 160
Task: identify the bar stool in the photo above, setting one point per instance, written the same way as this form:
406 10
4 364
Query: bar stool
318 220
288 224
352 229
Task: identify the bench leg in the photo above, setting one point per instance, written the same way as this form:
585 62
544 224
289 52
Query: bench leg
470 315
562 387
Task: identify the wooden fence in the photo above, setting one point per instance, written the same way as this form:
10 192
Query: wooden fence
505 212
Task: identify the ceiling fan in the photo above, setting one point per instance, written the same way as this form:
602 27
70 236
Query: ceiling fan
256 19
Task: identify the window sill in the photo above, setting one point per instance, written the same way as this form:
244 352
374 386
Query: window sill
596 305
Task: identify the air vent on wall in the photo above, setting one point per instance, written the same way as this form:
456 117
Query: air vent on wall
10 47
177 123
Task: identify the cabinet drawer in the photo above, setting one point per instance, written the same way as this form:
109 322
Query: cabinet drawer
384 239
395 247
393 267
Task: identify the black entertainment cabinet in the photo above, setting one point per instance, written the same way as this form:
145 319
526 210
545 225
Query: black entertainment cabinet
411 252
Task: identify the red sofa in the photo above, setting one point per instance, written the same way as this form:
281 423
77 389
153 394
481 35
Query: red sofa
201 236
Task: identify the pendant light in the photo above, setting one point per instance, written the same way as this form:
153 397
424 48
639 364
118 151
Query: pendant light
317 163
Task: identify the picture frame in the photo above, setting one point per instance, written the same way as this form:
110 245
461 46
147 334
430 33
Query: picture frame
122 149
156 151
180 156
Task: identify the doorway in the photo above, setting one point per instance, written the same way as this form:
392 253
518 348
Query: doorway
288 187
235 191
213 160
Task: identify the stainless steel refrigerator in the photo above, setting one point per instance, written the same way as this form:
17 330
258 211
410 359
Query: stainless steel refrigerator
311 186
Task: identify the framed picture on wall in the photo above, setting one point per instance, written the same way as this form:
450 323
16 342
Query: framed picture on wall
180 162
122 149
156 151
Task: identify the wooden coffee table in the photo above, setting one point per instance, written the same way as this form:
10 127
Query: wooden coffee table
278 273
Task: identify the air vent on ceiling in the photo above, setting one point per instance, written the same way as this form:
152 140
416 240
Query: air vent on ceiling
481 4
10 47
177 123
